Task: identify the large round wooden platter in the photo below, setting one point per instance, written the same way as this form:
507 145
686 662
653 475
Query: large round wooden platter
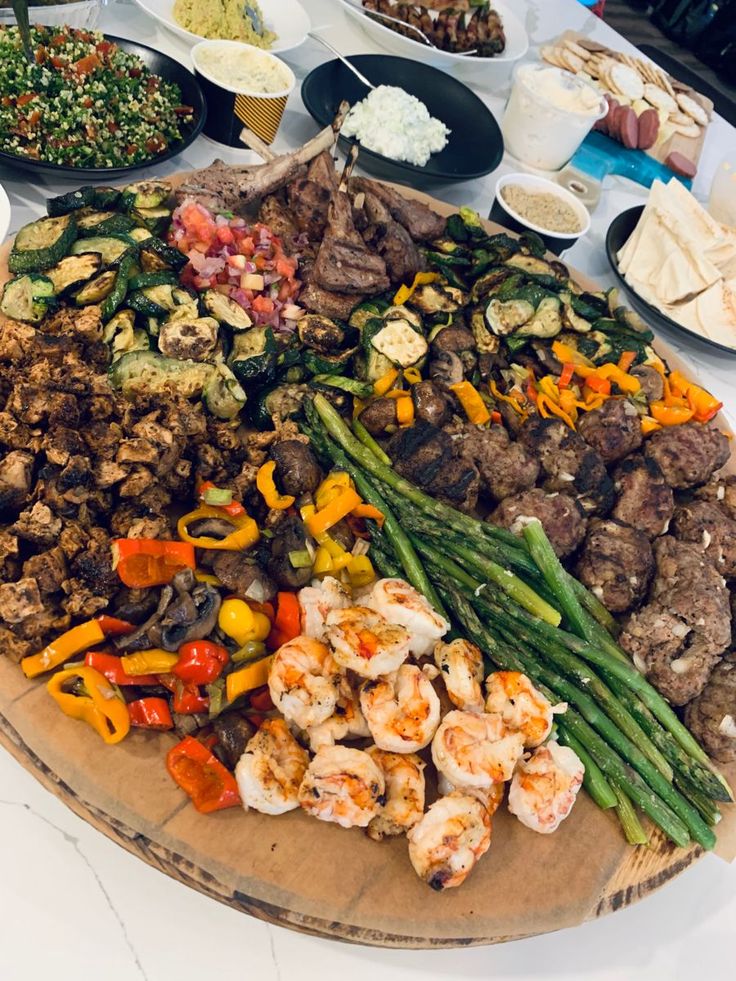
318 878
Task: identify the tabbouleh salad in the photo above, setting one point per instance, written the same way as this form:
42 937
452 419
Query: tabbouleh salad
84 102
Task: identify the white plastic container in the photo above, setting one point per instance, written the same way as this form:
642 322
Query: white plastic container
722 201
548 115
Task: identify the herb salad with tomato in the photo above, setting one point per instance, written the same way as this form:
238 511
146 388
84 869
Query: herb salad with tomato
83 102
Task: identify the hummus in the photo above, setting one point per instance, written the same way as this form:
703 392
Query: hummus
222 19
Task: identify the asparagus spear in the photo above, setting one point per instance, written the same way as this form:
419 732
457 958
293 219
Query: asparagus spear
593 781
635 834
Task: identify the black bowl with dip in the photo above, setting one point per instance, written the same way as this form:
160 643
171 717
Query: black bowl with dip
504 214
474 147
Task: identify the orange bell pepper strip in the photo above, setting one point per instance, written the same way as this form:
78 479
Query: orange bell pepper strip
73 642
267 487
670 415
405 411
143 562
599 385
567 353
200 774
384 383
473 405
339 507
568 370
369 511
626 361
548 408
509 399
288 619
627 383
649 425
98 704
704 405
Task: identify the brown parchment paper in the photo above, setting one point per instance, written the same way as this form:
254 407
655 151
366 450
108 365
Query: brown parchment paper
322 879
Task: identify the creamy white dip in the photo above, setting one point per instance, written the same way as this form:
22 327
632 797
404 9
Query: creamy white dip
397 125
242 69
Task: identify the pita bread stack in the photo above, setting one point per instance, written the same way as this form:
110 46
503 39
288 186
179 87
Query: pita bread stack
682 261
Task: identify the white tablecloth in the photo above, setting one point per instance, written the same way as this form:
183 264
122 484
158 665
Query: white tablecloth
73 905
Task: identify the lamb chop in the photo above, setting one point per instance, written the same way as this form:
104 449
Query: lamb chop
344 262
221 187
421 222
309 197
390 239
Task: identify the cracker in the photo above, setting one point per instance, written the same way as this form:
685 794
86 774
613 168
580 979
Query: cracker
650 73
680 119
693 109
592 46
667 83
576 49
691 132
570 60
551 55
658 98
627 82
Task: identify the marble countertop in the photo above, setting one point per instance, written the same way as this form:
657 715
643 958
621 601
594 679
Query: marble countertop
74 905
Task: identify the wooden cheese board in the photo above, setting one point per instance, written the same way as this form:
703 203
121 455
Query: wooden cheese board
318 878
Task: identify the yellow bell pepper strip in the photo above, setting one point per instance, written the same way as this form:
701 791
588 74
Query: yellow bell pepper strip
567 354
244 534
98 704
153 661
385 382
626 361
360 571
206 577
322 562
369 511
405 411
412 375
473 405
404 293
237 620
626 383
649 425
547 408
329 489
670 415
246 679
510 399
73 642
338 508
267 487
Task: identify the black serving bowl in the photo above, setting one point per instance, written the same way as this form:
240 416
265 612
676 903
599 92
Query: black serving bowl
618 232
171 71
475 144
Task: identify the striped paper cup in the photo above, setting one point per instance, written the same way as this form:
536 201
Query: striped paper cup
232 106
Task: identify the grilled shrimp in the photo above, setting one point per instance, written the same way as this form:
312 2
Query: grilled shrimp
490 797
365 642
404 776
512 696
343 785
475 750
303 681
461 666
270 771
544 787
316 602
346 722
402 710
401 603
450 838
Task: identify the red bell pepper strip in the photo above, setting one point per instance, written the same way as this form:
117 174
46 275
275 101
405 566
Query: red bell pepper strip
197 771
260 700
143 562
111 667
234 508
187 699
200 662
151 713
287 624
112 627
568 370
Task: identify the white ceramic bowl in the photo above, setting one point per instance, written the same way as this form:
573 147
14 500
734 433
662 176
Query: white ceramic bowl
504 214
489 70
4 214
286 18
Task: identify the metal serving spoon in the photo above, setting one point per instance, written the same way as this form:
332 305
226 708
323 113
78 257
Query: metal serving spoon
255 18
402 23
20 9
343 59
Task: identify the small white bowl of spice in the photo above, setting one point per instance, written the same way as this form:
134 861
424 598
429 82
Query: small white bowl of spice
526 202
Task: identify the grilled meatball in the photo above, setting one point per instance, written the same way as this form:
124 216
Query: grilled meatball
297 470
643 498
677 638
431 403
425 455
688 455
721 490
378 415
708 526
711 717
616 564
613 430
505 468
562 517
568 463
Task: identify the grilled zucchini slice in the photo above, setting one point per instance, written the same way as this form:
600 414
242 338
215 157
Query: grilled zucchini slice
42 244
120 287
83 197
156 220
224 396
105 223
140 235
106 197
154 301
189 340
226 311
121 334
74 270
28 298
144 279
156 254
111 248
97 289
148 371
145 194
